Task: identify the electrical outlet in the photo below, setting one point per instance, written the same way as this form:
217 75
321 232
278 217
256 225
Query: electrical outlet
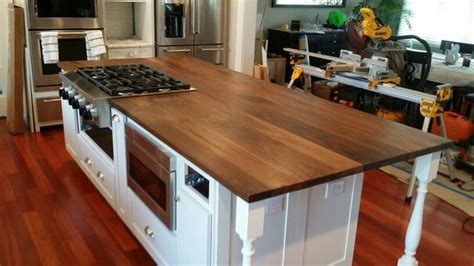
334 188
274 205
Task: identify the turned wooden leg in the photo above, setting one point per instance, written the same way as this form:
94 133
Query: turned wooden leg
411 185
426 170
249 220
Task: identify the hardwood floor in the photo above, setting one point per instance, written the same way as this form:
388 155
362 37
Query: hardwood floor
50 214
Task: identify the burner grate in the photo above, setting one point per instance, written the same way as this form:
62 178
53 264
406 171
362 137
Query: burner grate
119 80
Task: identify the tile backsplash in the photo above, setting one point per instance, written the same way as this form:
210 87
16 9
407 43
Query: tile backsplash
119 20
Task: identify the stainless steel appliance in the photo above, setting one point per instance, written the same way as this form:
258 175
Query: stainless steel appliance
151 174
61 14
151 171
70 19
71 47
192 27
89 89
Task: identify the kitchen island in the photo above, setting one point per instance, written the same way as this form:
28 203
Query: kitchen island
283 170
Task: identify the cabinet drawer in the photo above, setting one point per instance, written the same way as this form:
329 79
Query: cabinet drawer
137 52
98 170
48 109
332 39
151 232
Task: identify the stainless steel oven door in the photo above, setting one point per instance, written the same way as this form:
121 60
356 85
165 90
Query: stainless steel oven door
61 14
151 175
71 46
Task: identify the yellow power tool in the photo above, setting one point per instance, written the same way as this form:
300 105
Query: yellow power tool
372 27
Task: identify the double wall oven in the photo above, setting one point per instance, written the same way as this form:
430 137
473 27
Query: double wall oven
61 14
71 20
71 47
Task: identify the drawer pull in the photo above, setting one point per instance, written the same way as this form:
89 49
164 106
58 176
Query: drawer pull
52 100
132 54
100 176
116 118
211 49
149 232
177 50
88 161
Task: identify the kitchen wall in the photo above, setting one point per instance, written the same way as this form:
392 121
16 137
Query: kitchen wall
3 43
283 15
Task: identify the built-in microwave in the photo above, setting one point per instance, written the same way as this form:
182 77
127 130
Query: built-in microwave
71 47
151 175
61 14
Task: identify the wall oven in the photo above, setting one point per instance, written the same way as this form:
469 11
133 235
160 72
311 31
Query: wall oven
61 14
151 175
71 46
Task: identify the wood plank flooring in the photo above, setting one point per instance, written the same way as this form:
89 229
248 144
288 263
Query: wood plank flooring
50 214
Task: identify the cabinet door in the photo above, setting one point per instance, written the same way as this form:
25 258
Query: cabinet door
70 129
193 231
118 129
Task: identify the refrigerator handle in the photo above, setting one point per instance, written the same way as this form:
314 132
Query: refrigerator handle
190 5
197 17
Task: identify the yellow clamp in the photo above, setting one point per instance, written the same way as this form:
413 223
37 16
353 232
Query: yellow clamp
434 108
297 71
374 83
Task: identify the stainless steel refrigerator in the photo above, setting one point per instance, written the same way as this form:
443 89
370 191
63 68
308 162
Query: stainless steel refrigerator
191 27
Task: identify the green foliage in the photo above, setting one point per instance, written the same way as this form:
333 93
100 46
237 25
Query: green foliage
390 12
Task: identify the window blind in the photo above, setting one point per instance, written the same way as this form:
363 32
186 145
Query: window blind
436 20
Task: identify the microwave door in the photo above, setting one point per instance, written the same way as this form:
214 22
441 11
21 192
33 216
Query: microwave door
210 21
174 22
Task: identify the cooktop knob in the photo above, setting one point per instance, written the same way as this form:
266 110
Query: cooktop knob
82 109
87 115
67 92
78 103
93 112
73 98
86 111
61 91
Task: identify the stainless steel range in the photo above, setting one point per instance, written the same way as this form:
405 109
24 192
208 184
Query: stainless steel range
89 89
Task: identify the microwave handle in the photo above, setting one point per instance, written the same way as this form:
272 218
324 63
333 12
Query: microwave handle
69 33
211 49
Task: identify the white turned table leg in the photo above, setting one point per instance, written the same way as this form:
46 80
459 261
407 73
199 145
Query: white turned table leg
411 185
426 170
249 221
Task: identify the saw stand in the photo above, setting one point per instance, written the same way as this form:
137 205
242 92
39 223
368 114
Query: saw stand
431 106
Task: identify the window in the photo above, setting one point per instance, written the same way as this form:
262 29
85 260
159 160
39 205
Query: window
438 20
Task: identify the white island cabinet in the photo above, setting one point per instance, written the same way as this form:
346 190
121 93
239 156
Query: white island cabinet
213 226
310 226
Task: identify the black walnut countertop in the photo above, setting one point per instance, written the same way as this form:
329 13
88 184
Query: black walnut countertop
259 139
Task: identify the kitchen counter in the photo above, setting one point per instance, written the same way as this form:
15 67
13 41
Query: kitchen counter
281 167
260 140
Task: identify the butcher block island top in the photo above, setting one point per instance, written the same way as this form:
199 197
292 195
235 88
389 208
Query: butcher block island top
259 139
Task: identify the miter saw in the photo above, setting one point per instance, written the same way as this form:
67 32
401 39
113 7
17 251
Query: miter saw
370 32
